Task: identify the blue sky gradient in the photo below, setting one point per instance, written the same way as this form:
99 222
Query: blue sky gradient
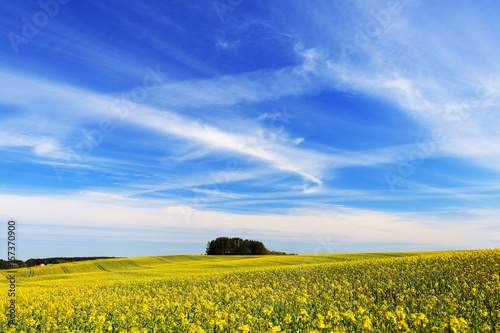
148 128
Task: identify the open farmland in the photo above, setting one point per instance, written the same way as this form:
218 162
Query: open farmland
379 292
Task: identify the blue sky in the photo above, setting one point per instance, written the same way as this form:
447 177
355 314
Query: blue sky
148 128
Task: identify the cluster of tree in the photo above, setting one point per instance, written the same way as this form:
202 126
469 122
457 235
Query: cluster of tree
45 261
238 246
15 263
278 253
235 245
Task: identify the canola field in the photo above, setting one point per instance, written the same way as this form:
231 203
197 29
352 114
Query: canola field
379 292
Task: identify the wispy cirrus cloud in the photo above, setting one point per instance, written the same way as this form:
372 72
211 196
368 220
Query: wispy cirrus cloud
41 146
82 105
424 73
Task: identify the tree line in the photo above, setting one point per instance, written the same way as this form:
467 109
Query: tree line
238 246
45 261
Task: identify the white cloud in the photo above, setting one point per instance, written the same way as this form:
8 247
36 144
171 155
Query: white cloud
42 146
80 105
345 224
218 193
100 196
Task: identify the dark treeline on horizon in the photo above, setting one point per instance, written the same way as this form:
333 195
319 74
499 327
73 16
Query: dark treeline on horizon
46 261
238 246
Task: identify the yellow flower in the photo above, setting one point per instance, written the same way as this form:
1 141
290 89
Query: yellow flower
402 325
391 317
367 323
244 328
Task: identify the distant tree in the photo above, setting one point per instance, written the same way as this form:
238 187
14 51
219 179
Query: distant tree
4 264
235 246
30 262
279 253
37 261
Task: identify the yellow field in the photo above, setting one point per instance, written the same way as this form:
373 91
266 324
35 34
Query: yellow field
384 292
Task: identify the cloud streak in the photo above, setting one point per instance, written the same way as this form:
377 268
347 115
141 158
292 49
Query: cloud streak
342 223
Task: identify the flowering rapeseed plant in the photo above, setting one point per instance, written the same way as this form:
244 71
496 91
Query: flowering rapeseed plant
440 292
